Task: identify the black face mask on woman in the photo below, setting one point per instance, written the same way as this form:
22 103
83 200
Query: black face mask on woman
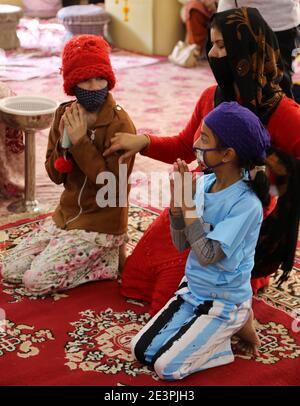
223 73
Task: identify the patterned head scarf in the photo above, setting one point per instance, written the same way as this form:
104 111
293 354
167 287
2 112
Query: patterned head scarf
254 58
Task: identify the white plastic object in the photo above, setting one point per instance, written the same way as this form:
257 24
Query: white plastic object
28 105
66 143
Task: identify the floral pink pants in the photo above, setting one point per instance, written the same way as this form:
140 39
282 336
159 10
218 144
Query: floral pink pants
50 259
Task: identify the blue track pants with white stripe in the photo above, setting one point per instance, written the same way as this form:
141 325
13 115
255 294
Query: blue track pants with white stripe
182 338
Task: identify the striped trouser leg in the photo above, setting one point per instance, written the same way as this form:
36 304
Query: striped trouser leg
165 324
143 339
206 342
182 339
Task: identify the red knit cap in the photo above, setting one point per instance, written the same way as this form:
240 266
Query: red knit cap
85 57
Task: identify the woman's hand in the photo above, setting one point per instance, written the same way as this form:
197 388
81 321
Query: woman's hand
130 143
74 119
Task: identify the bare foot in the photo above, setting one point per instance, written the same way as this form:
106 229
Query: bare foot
250 341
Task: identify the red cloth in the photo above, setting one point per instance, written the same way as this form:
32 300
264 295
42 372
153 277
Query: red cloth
86 57
63 165
197 20
196 29
259 283
199 6
155 268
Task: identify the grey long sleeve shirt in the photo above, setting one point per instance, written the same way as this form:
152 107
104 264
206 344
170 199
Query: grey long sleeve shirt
206 250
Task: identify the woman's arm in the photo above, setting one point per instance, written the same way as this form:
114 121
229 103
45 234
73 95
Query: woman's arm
164 148
168 149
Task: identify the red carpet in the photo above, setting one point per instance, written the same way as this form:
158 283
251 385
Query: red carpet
81 337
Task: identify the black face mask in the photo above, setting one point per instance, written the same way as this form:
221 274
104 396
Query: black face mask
91 100
222 72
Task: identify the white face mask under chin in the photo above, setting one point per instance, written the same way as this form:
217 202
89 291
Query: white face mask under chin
200 158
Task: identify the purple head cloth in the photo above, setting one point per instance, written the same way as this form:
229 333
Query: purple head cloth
237 127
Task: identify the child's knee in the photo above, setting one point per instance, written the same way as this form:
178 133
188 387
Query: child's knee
133 346
30 280
5 271
35 283
167 371
138 349
12 270
162 370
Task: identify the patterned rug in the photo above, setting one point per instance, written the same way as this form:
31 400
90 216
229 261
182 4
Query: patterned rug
82 336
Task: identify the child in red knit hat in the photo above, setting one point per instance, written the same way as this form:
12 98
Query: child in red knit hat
85 240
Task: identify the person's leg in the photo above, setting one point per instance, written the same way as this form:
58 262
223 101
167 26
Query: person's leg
160 328
78 260
250 341
287 41
204 342
18 260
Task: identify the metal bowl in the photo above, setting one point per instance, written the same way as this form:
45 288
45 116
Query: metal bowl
27 112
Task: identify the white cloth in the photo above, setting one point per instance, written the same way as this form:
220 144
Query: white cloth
281 15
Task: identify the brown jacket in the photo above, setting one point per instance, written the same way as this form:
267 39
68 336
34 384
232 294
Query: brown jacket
78 208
